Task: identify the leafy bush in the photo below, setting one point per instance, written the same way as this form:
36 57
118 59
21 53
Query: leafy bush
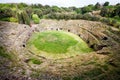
87 16
5 19
94 18
79 16
105 20
86 9
5 12
114 22
117 25
117 18
35 18
12 19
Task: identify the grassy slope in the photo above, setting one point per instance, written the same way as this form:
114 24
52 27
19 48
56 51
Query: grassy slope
4 54
57 42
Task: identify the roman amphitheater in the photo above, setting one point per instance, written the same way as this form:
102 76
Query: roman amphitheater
103 39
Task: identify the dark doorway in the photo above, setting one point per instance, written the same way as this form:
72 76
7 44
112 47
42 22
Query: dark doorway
68 30
23 45
104 38
88 41
57 29
60 28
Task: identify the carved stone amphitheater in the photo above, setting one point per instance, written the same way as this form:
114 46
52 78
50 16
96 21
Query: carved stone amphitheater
103 39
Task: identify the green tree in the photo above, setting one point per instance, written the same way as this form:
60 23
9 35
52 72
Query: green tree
117 11
29 11
23 18
97 5
22 5
78 11
106 4
86 9
55 9
72 8
104 12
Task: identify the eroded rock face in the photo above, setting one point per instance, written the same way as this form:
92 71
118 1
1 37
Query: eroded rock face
102 38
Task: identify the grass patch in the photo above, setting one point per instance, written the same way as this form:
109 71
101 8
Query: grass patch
54 42
57 42
89 75
4 54
35 61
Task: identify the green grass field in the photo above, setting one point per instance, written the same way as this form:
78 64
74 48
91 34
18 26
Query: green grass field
57 43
